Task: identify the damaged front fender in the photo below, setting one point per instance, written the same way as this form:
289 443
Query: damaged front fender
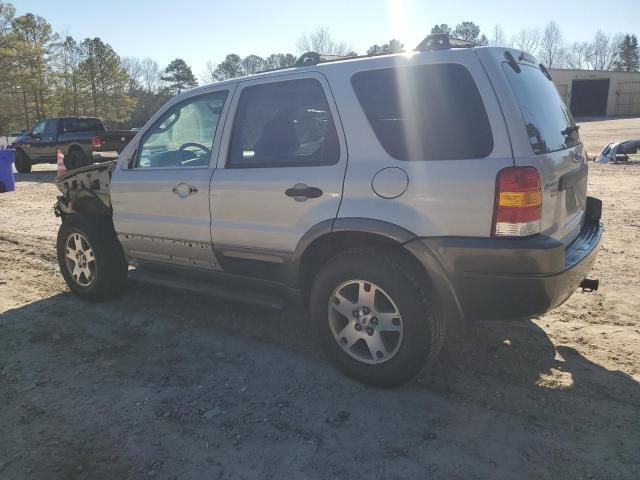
85 190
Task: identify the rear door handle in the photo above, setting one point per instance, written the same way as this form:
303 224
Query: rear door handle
301 192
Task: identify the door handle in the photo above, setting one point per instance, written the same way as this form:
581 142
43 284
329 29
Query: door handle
301 192
183 190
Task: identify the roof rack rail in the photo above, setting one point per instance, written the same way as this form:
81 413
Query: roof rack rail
442 41
314 58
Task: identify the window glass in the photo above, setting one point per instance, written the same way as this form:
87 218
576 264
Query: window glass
425 112
51 128
549 123
83 125
183 137
38 128
284 124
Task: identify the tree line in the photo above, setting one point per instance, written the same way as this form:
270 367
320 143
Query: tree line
605 51
46 74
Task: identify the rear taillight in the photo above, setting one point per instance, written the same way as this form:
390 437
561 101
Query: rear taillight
518 203
96 142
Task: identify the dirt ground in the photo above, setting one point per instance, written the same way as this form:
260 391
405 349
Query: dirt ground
163 384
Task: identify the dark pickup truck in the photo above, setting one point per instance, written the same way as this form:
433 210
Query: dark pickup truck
82 140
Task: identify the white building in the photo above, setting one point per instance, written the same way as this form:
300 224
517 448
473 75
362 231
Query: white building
599 93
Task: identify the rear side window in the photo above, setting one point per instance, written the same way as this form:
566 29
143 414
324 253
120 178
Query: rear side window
283 124
83 125
549 123
425 112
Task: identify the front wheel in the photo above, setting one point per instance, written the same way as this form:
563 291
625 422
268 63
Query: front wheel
90 257
375 321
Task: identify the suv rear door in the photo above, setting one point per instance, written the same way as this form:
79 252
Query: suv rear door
544 135
281 171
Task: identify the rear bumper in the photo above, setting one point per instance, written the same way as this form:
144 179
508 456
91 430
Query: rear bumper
98 156
494 279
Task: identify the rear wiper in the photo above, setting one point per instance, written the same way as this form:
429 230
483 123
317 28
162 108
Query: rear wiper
569 130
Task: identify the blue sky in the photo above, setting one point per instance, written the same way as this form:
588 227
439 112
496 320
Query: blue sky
199 30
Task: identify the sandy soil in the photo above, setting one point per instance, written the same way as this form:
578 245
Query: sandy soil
161 384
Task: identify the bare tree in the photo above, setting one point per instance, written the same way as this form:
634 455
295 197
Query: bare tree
577 56
603 51
527 40
321 41
551 45
150 74
134 69
208 75
498 38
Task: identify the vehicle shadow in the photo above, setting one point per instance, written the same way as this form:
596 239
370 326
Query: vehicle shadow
173 349
36 176
514 367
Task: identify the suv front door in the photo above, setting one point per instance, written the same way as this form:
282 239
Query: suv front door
160 193
281 171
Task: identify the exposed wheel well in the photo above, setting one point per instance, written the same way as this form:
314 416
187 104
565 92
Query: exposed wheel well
76 148
328 246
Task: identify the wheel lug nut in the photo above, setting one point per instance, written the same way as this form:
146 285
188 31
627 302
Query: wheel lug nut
374 320
356 313
358 327
365 310
370 331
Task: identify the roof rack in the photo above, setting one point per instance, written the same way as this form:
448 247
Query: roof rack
442 41
435 41
314 58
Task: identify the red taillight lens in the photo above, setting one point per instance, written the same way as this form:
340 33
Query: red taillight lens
96 141
518 202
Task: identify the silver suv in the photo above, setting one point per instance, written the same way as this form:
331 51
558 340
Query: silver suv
393 195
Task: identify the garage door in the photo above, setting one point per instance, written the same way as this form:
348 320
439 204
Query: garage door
589 97
628 98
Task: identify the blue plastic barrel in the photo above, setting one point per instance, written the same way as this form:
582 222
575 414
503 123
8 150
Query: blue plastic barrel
7 182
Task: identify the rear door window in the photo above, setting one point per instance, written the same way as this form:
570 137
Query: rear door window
550 126
425 112
283 124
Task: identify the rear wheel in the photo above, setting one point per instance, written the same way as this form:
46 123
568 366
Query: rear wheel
90 257
23 162
75 159
374 320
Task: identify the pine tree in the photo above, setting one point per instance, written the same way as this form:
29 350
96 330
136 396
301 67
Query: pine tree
179 76
628 60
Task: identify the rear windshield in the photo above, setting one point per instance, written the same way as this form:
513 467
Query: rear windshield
425 112
549 123
83 125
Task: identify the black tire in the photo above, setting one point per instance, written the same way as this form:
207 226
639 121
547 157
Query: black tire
109 264
423 332
75 159
23 162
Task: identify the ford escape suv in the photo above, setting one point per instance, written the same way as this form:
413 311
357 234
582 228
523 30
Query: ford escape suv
394 195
